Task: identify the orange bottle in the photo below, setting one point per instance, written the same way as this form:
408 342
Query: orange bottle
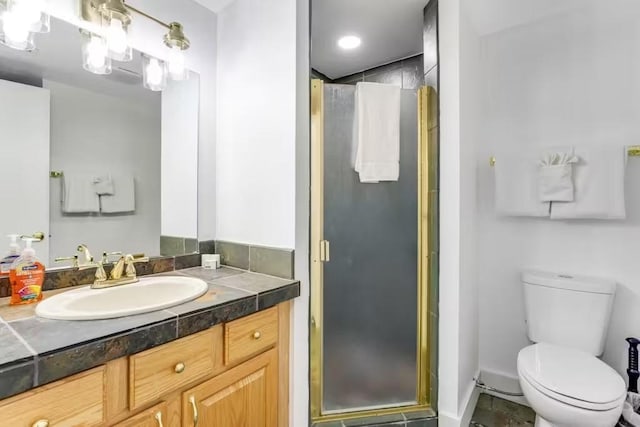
26 277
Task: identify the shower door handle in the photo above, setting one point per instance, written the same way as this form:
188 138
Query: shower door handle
325 251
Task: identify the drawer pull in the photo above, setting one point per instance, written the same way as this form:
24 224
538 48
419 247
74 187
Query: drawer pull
159 419
41 423
257 335
179 368
195 410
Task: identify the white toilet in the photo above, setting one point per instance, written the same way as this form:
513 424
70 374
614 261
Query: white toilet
561 376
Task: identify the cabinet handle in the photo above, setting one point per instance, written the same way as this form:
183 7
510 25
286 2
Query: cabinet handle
195 410
179 368
159 419
257 335
41 423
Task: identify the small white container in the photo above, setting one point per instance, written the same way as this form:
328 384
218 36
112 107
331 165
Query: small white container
211 261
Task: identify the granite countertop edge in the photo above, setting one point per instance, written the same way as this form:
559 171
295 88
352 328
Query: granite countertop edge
76 346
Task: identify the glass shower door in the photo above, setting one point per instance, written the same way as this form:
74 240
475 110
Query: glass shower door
370 329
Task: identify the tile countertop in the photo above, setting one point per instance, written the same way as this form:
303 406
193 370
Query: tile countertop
36 351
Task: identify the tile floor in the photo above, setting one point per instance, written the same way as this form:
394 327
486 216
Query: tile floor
495 412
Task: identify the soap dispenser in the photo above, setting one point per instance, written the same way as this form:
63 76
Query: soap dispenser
26 276
12 255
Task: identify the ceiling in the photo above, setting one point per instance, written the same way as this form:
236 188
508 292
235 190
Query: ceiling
215 5
58 57
389 29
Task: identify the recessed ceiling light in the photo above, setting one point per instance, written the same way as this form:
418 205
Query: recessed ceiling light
349 42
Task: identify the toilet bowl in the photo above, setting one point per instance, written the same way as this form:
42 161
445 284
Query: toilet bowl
570 388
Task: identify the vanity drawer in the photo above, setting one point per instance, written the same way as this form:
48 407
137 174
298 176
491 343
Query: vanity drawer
250 335
77 400
161 370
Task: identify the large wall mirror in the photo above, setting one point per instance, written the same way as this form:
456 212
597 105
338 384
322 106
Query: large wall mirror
95 159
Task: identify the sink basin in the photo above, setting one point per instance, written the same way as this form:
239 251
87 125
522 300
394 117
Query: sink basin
149 294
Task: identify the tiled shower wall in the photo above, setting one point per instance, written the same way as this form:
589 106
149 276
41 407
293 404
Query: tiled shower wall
407 73
431 79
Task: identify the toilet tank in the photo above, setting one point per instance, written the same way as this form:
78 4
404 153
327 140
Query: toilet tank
566 310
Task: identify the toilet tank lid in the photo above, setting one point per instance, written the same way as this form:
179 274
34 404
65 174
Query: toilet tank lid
571 282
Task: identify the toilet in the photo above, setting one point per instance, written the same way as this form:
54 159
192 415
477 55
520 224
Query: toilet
560 375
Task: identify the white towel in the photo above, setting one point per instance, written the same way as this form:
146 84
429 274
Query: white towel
78 194
516 181
377 132
103 185
599 185
123 198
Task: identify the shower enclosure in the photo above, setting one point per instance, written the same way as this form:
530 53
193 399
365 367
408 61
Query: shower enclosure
372 257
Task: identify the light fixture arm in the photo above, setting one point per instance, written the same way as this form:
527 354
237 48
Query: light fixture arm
93 10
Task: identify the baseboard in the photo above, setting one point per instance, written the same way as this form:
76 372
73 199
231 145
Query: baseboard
502 381
467 407
472 399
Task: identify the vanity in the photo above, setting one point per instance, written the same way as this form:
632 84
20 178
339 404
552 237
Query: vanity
219 360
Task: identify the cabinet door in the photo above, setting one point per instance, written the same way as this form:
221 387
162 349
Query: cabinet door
155 416
245 396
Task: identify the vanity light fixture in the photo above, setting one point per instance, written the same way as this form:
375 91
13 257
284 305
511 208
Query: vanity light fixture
19 20
113 18
154 75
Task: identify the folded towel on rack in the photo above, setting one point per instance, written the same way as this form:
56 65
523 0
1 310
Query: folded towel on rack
103 185
599 185
78 194
377 132
516 185
555 176
123 198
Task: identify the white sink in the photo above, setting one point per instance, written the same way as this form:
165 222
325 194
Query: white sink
149 294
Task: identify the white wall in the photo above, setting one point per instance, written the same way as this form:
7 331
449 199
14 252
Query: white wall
83 141
457 347
255 152
179 183
571 78
200 26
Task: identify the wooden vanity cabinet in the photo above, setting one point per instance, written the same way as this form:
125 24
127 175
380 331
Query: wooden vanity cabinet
232 375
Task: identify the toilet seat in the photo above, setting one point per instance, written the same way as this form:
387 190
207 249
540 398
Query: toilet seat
571 376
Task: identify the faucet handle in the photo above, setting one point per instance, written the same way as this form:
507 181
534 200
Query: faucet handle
73 259
100 275
130 260
106 255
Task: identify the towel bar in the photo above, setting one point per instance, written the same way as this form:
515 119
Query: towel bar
632 150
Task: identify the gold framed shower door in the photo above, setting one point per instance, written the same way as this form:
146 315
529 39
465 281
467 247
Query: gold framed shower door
427 258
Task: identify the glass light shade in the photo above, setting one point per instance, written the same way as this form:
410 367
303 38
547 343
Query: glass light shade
30 13
175 64
118 41
15 31
95 58
154 73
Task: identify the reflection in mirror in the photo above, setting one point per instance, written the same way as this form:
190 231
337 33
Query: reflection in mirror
93 159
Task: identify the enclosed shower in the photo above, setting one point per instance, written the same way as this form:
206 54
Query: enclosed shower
374 258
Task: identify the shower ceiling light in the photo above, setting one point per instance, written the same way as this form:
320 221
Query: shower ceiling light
349 42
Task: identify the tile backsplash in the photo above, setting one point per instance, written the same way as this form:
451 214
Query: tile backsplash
259 259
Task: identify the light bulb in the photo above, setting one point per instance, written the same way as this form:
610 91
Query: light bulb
30 11
175 63
154 72
96 53
117 37
16 32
